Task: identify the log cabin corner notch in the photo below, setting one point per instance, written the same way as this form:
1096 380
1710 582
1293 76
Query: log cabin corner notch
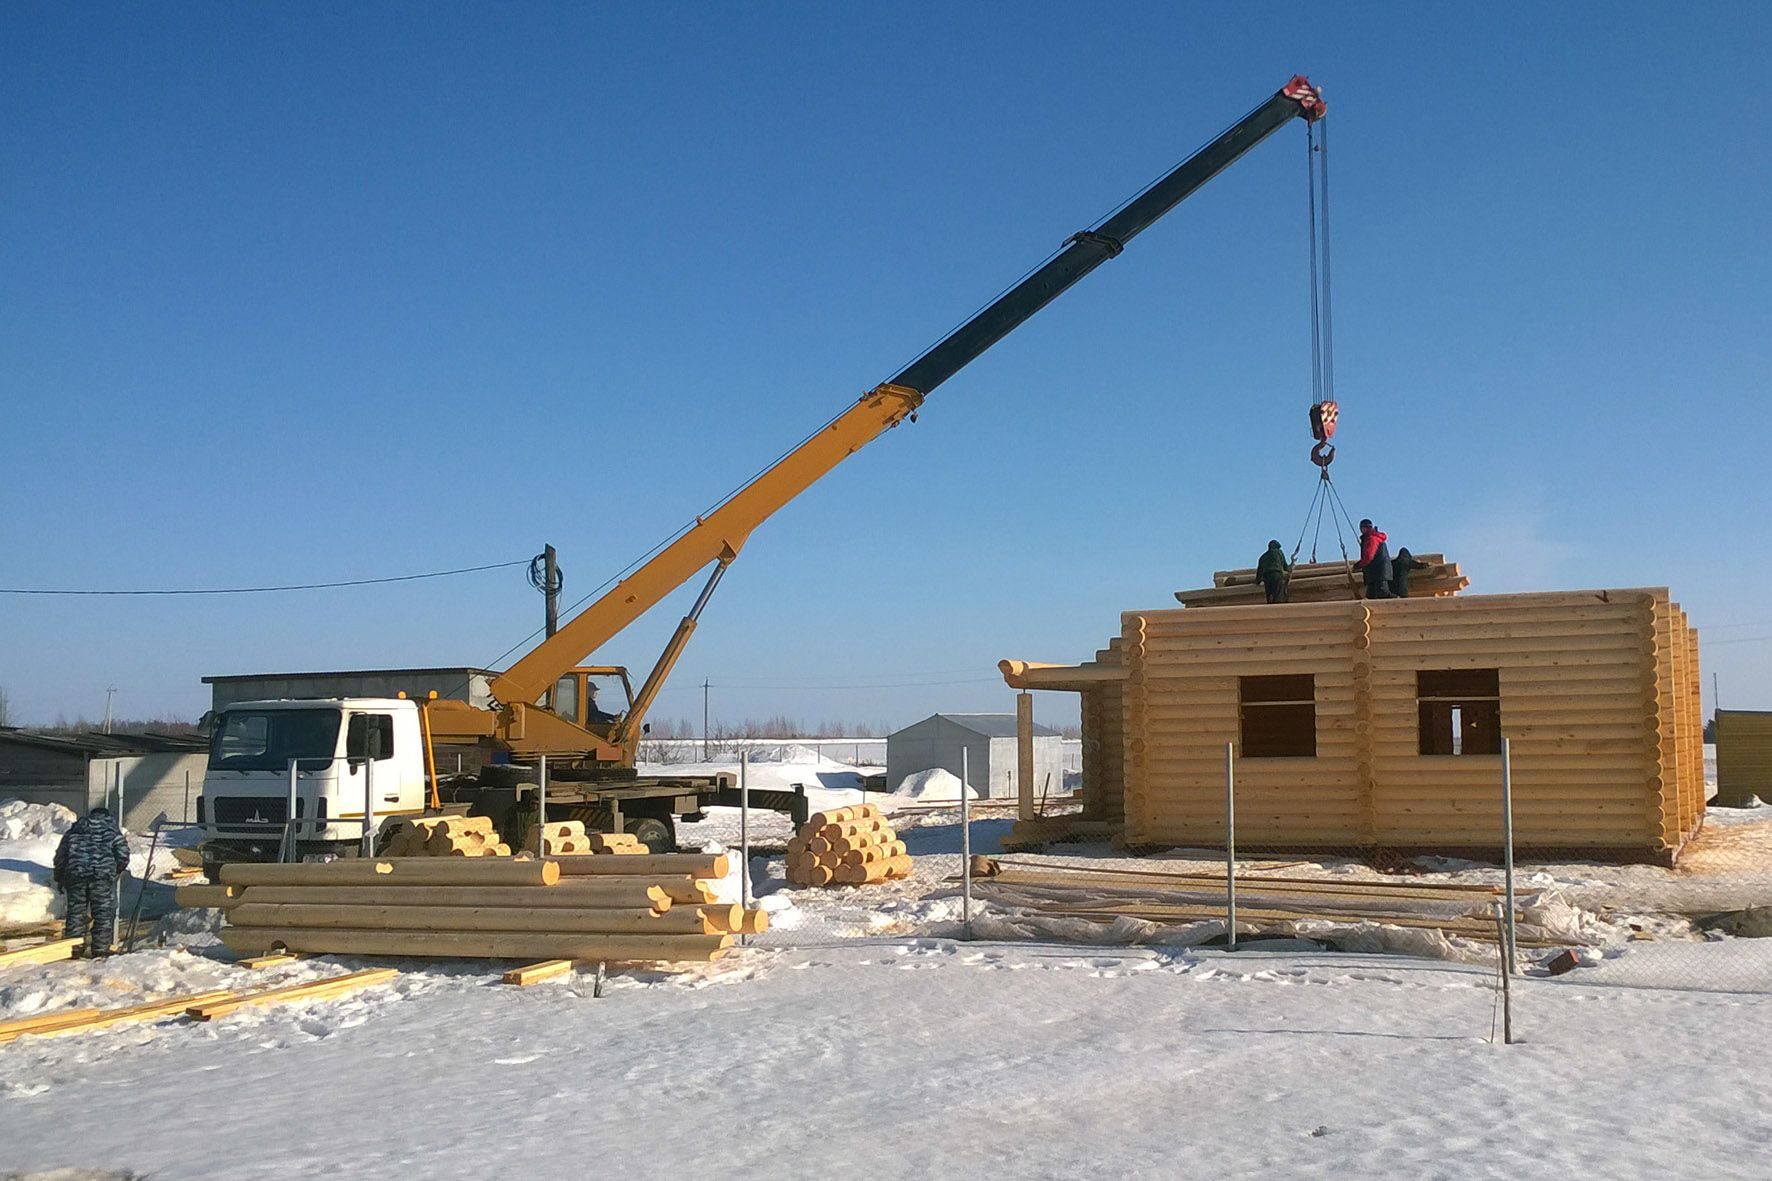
1378 724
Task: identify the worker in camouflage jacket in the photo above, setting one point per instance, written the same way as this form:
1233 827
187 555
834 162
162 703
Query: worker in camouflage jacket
1273 571
88 862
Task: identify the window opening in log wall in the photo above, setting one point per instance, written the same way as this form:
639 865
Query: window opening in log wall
1460 711
1278 717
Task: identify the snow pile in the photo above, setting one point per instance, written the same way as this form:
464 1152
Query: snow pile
195 926
21 821
788 752
773 768
29 834
934 786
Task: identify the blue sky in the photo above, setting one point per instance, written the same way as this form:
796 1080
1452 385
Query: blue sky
318 292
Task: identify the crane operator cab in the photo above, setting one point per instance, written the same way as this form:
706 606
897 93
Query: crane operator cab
581 695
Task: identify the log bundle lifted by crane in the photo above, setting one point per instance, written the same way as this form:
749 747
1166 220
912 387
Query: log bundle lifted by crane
1321 582
531 716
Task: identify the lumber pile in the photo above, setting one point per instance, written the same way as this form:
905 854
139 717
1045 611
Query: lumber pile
40 953
1322 582
628 908
445 836
1055 830
202 1006
1271 900
616 842
847 847
557 838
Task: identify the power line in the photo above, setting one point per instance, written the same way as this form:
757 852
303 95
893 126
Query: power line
265 590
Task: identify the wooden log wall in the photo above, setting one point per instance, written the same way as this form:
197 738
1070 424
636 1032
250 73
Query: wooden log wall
1599 695
1744 756
1104 744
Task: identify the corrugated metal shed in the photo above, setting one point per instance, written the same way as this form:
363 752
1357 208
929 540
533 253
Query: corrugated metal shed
988 744
152 772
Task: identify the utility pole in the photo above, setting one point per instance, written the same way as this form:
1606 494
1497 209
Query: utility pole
109 693
1716 693
551 586
704 721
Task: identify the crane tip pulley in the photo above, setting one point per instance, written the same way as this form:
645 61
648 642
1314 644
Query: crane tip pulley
1308 97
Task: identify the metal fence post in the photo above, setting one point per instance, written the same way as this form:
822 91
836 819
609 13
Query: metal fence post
1507 994
187 797
744 835
1507 855
1230 844
118 776
965 844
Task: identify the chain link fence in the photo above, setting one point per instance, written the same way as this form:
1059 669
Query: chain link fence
1054 869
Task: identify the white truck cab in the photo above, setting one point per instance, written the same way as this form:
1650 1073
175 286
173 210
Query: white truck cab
244 808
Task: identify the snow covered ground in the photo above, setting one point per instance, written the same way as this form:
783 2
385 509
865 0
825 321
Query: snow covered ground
858 1036
919 1058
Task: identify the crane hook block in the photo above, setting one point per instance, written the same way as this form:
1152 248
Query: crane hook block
1323 416
1323 454
1308 97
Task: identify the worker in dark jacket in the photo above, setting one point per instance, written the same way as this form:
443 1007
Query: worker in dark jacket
1273 572
1401 566
87 864
1375 561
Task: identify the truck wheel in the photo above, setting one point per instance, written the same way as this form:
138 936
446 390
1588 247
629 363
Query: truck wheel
659 836
501 775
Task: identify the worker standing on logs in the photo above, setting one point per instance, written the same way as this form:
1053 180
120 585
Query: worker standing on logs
91 856
1375 561
1401 565
1273 572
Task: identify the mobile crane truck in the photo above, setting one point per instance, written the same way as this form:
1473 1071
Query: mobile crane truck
543 702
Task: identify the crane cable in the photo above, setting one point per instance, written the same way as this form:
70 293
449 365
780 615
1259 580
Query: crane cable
1326 498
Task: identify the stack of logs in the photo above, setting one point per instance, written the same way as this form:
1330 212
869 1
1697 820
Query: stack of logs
846 847
445 836
631 908
1321 582
615 842
558 838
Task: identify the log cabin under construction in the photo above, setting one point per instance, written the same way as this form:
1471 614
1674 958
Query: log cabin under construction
1376 725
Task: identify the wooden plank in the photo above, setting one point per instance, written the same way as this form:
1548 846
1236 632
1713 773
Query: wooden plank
199 897
479 944
699 865
680 921
41 953
45 1022
326 989
258 963
401 871
105 1018
536 973
576 893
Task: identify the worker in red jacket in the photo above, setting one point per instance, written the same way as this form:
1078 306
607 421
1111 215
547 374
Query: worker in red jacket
1375 562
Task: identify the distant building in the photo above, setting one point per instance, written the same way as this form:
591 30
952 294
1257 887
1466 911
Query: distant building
988 741
152 773
456 684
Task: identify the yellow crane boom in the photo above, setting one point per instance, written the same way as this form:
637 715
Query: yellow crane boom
524 726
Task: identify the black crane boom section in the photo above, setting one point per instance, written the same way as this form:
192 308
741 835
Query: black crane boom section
1090 248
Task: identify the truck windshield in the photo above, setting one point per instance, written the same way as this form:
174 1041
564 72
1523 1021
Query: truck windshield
265 740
